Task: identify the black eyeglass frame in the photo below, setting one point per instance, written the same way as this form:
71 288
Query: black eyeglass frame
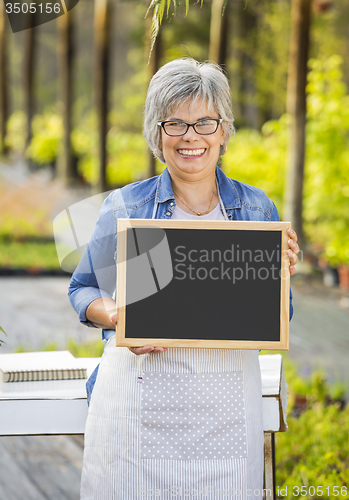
217 120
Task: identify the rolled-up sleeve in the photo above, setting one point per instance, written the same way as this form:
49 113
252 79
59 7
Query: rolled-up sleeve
95 275
275 217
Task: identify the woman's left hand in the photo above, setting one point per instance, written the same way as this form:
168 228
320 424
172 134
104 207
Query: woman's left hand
292 250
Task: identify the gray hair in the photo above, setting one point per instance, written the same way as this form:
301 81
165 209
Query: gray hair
179 81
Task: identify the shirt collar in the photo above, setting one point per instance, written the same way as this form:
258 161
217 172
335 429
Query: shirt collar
227 189
164 189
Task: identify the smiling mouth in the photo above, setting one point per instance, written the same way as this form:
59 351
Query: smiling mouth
191 152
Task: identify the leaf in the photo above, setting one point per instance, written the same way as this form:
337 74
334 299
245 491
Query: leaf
151 6
175 5
161 10
154 30
159 7
3 331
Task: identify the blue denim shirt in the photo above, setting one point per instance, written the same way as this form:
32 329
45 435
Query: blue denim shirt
95 275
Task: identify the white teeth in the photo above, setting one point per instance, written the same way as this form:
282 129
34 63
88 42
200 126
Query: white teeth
191 152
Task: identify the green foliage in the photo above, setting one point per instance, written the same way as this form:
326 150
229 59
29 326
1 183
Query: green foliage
49 346
3 331
159 8
193 29
258 158
86 349
28 255
47 133
315 388
19 226
92 349
314 450
82 350
326 193
16 131
128 157
259 44
84 140
127 153
129 98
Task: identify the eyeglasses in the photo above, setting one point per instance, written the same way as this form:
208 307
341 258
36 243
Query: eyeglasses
202 127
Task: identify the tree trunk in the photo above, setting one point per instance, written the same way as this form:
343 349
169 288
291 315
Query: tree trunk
101 70
218 32
152 68
3 80
28 73
244 22
65 53
296 108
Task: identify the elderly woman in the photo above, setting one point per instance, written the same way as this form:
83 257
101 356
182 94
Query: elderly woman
188 123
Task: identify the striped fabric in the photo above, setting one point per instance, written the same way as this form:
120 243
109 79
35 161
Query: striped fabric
115 465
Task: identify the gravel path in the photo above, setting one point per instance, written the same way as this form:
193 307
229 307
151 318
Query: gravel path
37 311
319 330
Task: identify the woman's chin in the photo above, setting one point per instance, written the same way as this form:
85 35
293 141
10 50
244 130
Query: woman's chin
190 167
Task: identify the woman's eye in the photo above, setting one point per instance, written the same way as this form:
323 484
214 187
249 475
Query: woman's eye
175 124
205 123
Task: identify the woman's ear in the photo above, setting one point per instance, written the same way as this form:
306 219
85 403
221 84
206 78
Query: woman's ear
223 135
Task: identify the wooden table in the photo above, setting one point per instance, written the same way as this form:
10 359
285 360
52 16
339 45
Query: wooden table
59 407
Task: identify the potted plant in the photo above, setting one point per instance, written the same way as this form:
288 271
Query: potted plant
337 254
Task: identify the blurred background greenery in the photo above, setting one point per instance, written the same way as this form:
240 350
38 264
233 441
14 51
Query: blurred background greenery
256 61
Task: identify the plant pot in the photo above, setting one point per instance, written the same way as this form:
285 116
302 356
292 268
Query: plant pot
343 273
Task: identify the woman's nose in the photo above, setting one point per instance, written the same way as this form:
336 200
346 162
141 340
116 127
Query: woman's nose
191 134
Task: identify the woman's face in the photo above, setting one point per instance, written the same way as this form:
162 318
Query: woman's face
192 156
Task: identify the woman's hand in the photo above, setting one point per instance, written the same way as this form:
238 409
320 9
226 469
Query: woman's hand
147 348
293 250
137 350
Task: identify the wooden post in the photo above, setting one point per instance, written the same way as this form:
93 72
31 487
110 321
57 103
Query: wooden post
296 108
152 68
269 465
218 32
3 80
102 17
28 73
65 60
218 37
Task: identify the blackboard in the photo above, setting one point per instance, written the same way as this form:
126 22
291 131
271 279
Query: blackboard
209 284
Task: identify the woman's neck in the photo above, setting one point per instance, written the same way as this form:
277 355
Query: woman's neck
200 195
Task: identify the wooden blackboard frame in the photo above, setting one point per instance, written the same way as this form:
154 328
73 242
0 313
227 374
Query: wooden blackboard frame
124 224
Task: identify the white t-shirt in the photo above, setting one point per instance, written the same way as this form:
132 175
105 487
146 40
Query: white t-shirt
215 214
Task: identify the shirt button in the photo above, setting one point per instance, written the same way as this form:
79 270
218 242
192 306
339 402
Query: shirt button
168 214
171 204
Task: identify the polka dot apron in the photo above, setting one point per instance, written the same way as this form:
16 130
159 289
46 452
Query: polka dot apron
185 423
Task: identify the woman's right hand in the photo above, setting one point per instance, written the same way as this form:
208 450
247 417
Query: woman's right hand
147 348
138 350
